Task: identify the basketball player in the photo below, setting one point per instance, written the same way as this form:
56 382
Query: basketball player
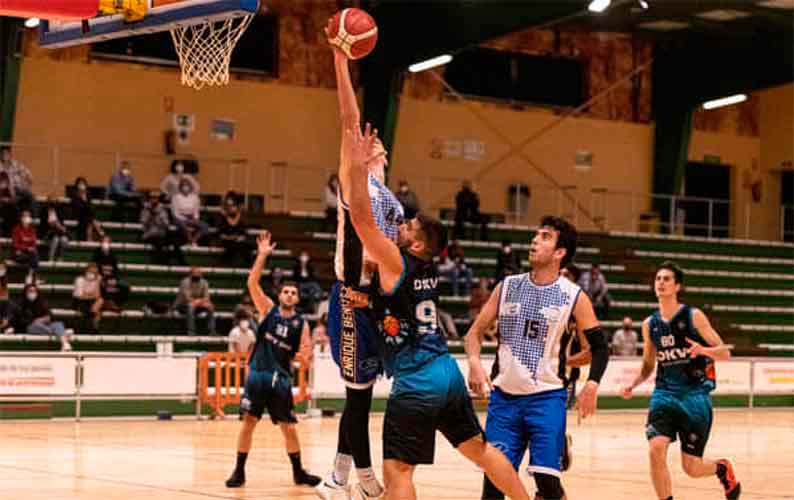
351 328
681 343
428 391
282 335
527 403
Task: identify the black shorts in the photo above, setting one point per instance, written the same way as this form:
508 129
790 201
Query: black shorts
687 416
432 398
271 391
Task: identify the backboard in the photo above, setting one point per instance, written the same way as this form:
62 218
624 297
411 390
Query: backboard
162 15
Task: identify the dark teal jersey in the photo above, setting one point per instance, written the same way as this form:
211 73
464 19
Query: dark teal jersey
675 370
278 339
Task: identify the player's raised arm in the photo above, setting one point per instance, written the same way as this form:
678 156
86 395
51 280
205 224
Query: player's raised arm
648 360
357 151
478 379
261 301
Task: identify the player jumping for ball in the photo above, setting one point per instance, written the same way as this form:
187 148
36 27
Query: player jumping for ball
681 343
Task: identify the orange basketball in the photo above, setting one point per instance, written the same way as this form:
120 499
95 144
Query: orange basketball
354 32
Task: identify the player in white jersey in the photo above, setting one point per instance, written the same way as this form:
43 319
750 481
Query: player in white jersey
352 330
527 402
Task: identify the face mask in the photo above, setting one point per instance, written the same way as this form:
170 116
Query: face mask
195 278
125 173
508 249
81 187
26 220
304 259
179 169
106 247
244 324
32 296
90 276
404 189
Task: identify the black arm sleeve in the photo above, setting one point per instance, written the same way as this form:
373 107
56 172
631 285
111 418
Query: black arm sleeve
600 352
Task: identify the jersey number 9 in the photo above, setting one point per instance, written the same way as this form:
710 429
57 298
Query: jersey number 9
427 317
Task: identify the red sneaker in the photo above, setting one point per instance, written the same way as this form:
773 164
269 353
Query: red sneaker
732 487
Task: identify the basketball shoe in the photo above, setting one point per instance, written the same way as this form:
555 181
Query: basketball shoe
727 476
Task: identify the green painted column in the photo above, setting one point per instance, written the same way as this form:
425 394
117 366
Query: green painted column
382 86
9 74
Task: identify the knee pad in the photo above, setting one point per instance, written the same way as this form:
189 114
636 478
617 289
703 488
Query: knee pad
549 487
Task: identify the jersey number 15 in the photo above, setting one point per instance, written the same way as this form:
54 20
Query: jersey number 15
532 328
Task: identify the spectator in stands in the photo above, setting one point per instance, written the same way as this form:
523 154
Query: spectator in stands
185 207
19 176
8 205
408 200
83 211
156 220
242 336
193 299
87 298
506 262
114 290
170 183
571 272
595 285
330 199
320 334
25 252
310 290
121 189
52 229
624 340
467 209
459 272
32 315
5 304
233 233
246 306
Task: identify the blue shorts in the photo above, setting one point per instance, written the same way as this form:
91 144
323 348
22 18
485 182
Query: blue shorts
687 416
534 420
271 391
355 342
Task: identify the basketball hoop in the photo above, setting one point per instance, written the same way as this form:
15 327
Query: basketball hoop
205 50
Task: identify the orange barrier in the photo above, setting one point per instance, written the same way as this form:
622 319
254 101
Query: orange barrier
230 370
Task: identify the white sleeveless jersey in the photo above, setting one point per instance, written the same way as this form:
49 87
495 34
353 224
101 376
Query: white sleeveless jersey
532 320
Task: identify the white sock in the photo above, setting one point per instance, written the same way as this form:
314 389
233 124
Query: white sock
342 465
368 481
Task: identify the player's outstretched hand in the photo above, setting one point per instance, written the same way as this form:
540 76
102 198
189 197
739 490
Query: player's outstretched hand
587 401
695 349
479 382
358 148
263 244
331 41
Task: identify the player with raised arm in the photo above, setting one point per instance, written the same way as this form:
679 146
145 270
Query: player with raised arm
528 395
682 345
281 337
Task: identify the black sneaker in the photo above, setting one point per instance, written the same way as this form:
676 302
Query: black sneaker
727 476
306 478
236 480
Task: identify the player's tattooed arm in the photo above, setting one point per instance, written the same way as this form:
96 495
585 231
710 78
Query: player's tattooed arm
648 360
478 379
261 301
716 349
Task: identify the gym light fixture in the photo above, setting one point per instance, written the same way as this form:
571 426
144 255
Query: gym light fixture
725 101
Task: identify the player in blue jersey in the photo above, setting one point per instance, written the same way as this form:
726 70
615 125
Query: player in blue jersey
682 345
527 403
428 392
351 328
281 337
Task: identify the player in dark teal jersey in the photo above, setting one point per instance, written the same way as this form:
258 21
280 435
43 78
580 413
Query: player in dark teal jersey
428 391
682 345
282 336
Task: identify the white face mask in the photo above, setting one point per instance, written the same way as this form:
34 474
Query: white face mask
179 169
106 247
304 258
508 249
32 296
244 324
90 276
27 220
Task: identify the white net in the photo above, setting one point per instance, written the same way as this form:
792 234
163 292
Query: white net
205 50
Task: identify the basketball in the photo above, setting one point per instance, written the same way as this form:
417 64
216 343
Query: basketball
354 32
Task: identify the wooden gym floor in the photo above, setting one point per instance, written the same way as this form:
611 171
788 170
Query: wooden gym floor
189 459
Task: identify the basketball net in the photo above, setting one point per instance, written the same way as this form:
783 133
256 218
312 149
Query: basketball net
205 50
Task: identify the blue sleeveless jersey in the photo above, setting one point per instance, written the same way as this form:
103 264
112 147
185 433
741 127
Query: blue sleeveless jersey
408 318
676 372
278 339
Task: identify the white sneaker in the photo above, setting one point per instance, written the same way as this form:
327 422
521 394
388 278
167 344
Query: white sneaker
360 494
330 490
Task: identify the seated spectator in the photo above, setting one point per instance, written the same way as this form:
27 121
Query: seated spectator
8 205
87 299
624 340
242 337
52 229
460 272
185 208
5 303
506 262
169 186
310 290
156 220
25 252
233 233
595 285
408 200
246 307
467 209
82 210
114 290
330 198
193 299
121 189
19 177
320 334
32 315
